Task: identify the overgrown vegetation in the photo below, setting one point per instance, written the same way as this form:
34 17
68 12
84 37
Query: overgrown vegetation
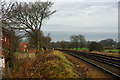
49 65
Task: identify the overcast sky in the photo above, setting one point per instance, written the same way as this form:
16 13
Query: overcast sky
95 19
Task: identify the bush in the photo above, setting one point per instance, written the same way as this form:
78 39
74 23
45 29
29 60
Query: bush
94 46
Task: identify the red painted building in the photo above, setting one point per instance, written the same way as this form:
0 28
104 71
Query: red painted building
24 47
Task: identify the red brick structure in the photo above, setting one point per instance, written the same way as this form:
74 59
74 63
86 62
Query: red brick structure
5 39
5 35
32 50
24 47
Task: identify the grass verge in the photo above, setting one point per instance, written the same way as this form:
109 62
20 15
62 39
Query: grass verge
49 65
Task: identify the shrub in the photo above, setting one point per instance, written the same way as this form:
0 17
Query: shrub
94 46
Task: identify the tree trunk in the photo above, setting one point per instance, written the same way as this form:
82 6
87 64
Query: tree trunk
38 44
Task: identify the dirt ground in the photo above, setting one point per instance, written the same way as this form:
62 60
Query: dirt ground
85 69
104 53
108 53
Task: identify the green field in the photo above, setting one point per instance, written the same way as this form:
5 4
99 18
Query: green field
113 50
107 50
80 48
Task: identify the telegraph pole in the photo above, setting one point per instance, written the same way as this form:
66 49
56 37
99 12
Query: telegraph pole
0 37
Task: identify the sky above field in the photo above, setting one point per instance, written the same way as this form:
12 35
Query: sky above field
95 19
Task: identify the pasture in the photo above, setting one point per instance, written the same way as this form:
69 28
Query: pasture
112 50
106 50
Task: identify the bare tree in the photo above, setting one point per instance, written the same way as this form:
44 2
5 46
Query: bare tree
78 41
75 40
32 39
27 17
44 40
82 41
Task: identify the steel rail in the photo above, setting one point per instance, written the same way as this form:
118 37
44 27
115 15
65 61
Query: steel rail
102 68
99 59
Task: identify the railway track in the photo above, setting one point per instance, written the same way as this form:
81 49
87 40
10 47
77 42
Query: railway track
109 64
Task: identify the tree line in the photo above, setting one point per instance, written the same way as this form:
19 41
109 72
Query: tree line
79 41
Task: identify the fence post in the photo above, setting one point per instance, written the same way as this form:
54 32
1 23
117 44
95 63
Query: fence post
8 69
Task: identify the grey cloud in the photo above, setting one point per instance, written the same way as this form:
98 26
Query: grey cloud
74 8
96 20
92 36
